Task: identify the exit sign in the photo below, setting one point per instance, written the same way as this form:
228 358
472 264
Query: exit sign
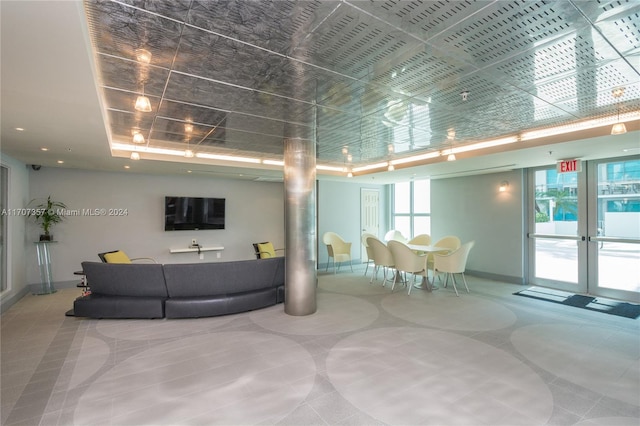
569 166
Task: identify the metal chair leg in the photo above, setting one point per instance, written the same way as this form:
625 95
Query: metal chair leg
453 278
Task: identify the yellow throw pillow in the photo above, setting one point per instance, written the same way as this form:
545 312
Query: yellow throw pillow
117 257
266 250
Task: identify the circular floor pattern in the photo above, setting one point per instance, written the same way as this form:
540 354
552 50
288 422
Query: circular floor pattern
442 309
610 421
92 357
222 378
137 329
436 377
357 285
600 359
336 313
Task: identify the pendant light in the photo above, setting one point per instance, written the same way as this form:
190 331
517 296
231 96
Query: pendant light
142 102
451 135
138 137
618 128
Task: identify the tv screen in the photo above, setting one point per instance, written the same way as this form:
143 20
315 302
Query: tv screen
189 213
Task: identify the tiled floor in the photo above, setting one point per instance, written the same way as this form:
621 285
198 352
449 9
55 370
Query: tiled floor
366 357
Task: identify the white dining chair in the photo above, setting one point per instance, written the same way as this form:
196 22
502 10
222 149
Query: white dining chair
454 263
450 243
382 258
421 239
408 262
365 236
338 249
395 235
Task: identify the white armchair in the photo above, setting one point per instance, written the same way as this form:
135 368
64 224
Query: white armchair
338 249
454 263
407 261
365 236
382 257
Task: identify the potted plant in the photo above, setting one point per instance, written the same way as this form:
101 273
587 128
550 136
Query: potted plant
46 214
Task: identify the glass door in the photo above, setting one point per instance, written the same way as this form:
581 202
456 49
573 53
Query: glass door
614 228
557 242
584 230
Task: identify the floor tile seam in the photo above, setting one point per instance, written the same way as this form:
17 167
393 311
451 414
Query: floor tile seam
591 403
25 397
305 403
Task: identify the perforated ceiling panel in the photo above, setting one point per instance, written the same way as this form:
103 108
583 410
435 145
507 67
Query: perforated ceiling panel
357 77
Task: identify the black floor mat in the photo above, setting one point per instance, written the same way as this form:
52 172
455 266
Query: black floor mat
599 304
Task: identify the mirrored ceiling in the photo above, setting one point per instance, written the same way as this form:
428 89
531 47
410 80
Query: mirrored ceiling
365 81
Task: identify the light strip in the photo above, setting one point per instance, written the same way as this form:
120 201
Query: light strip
228 158
151 150
273 162
329 168
483 145
371 166
416 158
583 125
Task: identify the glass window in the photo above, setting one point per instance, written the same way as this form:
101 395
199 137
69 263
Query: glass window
422 196
412 207
402 199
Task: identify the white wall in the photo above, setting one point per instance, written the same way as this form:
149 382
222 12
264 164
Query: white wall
339 212
16 241
254 212
473 209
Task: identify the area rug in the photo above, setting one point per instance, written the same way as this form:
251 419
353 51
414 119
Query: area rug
599 304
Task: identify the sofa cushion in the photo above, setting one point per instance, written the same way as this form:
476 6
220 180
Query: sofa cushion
99 306
117 256
266 250
208 306
115 279
219 278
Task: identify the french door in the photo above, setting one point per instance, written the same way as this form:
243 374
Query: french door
584 228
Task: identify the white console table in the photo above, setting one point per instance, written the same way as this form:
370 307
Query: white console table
196 249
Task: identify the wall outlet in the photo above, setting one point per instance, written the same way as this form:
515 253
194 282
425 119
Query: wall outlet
218 255
201 256
194 242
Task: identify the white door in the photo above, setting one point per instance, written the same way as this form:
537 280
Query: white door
369 215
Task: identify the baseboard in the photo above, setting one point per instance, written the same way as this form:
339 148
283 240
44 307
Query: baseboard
496 277
35 288
5 304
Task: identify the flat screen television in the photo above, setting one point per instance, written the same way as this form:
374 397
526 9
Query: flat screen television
189 213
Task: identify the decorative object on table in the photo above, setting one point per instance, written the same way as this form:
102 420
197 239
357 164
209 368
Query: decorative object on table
46 214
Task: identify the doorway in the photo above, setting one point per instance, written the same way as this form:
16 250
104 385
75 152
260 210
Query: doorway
369 215
584 229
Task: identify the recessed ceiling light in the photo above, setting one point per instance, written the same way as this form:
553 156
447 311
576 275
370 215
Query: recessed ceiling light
44 148
60 162
127 167
20 129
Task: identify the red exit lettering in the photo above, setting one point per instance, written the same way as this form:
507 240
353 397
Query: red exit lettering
568 166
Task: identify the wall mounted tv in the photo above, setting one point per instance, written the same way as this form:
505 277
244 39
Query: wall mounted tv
189 213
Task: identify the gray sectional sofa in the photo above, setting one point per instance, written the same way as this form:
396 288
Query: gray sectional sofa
187 290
